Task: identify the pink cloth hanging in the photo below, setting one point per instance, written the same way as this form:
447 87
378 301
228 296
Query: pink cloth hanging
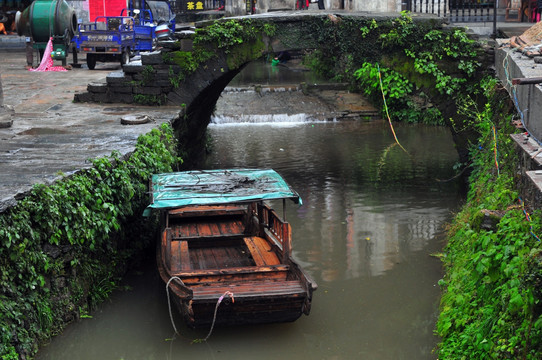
47 60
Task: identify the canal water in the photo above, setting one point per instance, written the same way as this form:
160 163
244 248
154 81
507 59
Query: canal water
368 231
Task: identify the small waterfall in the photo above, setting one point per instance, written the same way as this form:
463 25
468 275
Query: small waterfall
276 119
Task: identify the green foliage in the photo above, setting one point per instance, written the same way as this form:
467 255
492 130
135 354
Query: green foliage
226 34
397 91
492 302
400 33
421 65
153 100
366 29
240 39
395 86
63 247
184 59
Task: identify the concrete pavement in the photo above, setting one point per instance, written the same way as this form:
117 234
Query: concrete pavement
51 134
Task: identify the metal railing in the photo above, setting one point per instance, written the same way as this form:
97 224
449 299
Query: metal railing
455 10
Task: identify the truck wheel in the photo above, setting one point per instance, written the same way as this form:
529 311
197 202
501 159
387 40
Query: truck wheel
74 55
125 57
91 61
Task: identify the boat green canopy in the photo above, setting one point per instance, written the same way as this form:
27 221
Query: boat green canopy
214 187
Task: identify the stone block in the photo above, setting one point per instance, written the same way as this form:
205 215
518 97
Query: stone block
83 97
168 68
116 97
123 89
101 98
187 44
159 83
133 68
138 77
147 90
169 44
152 58
95 87
116 78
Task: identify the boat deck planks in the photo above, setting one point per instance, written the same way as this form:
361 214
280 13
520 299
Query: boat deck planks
209 210
261 251
204 228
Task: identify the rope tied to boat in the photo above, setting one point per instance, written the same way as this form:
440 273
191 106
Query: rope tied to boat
169 302
228 293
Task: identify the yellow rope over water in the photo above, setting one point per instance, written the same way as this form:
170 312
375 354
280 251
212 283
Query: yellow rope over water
386 109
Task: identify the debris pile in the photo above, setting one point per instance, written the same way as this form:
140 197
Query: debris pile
529 43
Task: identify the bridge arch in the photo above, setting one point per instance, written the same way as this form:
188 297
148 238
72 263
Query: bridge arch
193 70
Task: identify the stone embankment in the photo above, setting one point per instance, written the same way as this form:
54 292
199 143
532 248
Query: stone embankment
156 79
513 64
148 79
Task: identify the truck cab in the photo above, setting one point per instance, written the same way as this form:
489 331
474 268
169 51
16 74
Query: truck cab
116 38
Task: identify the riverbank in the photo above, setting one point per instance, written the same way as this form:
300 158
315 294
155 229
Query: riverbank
491 303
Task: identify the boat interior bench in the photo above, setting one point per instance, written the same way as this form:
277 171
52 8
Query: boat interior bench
212 244
250 289
207 222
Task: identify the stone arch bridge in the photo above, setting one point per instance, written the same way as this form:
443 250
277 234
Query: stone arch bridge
156 81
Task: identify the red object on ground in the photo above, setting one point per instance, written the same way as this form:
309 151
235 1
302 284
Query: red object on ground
47 60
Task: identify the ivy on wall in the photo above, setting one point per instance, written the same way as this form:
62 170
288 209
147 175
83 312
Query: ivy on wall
64 246
421 64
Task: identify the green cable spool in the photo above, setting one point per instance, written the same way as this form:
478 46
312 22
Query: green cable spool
44 19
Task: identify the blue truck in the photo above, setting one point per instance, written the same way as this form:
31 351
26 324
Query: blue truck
116 38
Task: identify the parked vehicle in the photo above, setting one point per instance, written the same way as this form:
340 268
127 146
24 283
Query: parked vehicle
117 38
221 243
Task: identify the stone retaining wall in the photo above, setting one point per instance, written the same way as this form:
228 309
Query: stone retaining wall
148 77
528 101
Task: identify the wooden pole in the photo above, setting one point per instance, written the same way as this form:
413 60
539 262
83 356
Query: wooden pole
527 81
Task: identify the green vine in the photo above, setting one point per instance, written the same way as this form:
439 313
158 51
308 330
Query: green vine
416 75
226 34
63 247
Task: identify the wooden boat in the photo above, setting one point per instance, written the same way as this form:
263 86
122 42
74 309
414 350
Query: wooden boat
220 240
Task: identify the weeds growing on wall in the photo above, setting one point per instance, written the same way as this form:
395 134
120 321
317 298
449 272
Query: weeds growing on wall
63 247
399 94
492 302
419 65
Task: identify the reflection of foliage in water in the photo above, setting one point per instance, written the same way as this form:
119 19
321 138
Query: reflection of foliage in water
382 161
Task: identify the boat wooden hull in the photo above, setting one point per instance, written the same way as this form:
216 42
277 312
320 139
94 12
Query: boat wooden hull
278 302
206 254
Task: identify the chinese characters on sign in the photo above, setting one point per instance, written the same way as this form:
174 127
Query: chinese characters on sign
194 5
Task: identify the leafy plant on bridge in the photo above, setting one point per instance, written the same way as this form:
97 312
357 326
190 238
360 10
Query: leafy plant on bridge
241 41
434 64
